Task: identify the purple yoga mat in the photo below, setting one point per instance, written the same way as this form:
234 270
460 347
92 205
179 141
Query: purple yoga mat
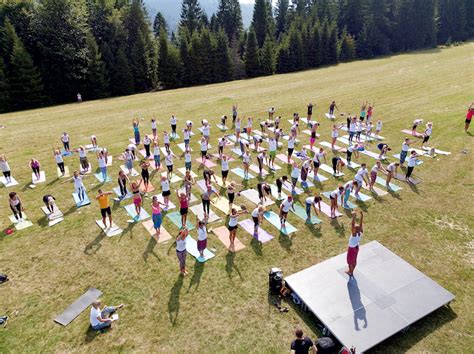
263 236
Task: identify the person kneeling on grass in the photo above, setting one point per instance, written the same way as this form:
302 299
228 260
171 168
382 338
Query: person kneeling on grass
100 318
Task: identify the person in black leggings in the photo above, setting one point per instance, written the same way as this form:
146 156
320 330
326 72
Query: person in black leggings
16 206
206 200
122 182
279 183
145 174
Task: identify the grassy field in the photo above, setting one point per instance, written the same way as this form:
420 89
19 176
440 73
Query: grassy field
222 306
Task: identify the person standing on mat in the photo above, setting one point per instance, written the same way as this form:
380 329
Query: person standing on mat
335 134
166 141
183 206
234 113
186 136
285 207
334 196
156 155
361 177
173 123
100 318
311 202
469 114
50 202
136 198
145 165
302 345
257 217
206 199
404 152
16 206
391 172
169 163
102 161
122 182
136 130
354 241
295 174
165 191
264 190
181 249
348 188
207 174
337 165
188 159
58 157
233 226
427 133
231 190
291 148
279 182
83 160
201 237
79 187
153 128
146 145
156 216
246 158
373 174
188 183
309 112
411 165
104 204
65 141
224 169
35 167
314 134
332 106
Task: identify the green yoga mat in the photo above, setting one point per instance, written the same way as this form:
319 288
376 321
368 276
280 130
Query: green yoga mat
175 218
382 182
300 211
241 173
274 219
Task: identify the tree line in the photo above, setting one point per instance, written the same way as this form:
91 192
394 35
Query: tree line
50 50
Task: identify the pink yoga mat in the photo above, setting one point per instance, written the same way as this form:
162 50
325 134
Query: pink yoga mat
164 235
263 236
326 209
222 234
409 132
208 163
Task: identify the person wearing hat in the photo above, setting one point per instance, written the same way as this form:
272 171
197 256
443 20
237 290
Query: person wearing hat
100 318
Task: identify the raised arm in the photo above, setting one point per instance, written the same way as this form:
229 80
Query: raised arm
361 221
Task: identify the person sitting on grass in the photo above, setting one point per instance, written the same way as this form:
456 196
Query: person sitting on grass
101 318
302 345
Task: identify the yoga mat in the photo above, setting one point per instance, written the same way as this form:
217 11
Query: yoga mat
220 182
13 182
199 212
82 172
217 157
162 200
84 202
76 308
255 169
207 163
273 167
164 235
101 179
143 153
133 214
417 163
274 189
66 172
440 152
240 172
330 116
222 127
328 145
274 219
40 180
377 190
382 182
66 153
284 158
20 225
222 234
164 152
245 136
326 209
237 151
307 183
300 211
53 218
319 177
252 195
125 170
174 137
117 191
350 205
174 178
352 165
371 154
202 184
328 169
109 160
192 200
222 203
191 247
149 189
261 236
413 180
409 132
362 197
182 170
132 140
287 137
288 186
175 218
182 147
109 231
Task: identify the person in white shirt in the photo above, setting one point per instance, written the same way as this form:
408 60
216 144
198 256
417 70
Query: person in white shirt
79 98
257 217
411 165
378 128
318 160
220 145
334 196
237 128
186 136
102 161
361 177
391 172
5 167
359 129
224 168
368 130
166 141
352 129
202 236
173 122
153 127
169 163
311 202
204 147
427 133
248 128
101 318
405 147
181 249
416 122
373 174
232 226
354 240
246 158
295 173
146 145
206 131
348 188
291 148
272 147
65 141
285 207
335 134
156 155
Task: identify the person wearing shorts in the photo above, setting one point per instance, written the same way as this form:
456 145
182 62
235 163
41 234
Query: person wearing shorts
291 148
169 163
104 204
16 206
285 207
469 114
427 134
183 207
156 216
165 190
173 122
232 226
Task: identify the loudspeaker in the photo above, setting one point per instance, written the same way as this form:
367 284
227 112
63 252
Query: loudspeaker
275 281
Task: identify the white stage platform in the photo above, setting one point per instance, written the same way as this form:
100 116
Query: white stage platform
385 296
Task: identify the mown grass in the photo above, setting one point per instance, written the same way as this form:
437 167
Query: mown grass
222 306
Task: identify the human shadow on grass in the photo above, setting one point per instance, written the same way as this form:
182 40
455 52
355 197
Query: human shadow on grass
129 229
230 266
405 341
316 231
150 250
362 205
413 187
197 274
93 246
394 194
92 334
70 211
285 241
338 227
256 246
173 301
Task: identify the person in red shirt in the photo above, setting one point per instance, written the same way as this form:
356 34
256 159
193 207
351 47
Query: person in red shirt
469 114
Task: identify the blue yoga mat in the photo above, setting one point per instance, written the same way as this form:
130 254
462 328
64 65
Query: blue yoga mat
191 247
133 214
362 197
382 182
240 172
101 179
274 219
300 211
175 218
84 202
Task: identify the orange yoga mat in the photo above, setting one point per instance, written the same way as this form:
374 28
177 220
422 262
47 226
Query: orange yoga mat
222 234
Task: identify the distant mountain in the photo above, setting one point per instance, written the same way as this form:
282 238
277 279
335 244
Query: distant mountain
171 10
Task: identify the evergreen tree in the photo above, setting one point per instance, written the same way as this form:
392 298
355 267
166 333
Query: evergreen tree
295 50
60 33
214 24
251 55
96 85
353 14
221 58
261 21
469 10
4 88
318 57
452 20
187 65
26 88
325 45
122 77
237 64
8 36
168 63
229 17
347 47
205 57
160 25
282 15
191 15
333 52
267 57
380 27
364 44
284 64
99 12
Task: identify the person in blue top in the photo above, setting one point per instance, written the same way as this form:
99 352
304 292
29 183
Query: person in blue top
136 131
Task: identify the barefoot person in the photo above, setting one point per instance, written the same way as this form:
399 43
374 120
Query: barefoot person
50 202
334 196
58 157
416 123
206 199
469 114
257 217
136 130
183 207
309 112
201 237
156 155
153 128
5 168
311 202
411 165
165 191
391 172
145 165
337 165
181 249
335 134
224 169
354 241
233 226
279 182
122 182
291 148
83 159
285 207
373 174
136 198
363 109
146 145
65 141
427 133
35 167
104 204
361 177
332 106
404 152
16 206
102 161
101 318
156 216
79 187
231 190
348 188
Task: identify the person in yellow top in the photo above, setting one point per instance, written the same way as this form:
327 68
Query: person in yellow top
104 204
